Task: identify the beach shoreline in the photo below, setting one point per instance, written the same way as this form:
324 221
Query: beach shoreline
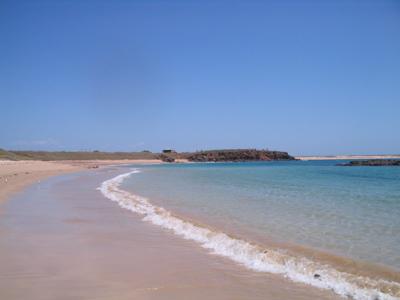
39 171
245 249
83 246
17 175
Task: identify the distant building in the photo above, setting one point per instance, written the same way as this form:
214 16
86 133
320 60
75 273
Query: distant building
168 151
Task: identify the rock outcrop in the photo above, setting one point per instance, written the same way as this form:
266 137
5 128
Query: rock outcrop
166 158
372 163
236 155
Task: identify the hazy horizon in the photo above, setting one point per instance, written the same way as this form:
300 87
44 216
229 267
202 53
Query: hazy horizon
306 77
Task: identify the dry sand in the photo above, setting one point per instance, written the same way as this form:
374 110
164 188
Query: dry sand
15 175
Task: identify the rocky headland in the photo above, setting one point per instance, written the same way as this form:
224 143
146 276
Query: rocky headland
229 155
371 163
168 155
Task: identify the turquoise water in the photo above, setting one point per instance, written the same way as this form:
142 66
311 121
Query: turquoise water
350 211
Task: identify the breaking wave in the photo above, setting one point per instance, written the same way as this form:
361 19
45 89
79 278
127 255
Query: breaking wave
252 256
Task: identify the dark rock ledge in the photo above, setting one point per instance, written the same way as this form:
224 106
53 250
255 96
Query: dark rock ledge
371 163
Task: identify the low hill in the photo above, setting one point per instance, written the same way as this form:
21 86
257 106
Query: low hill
199 156
237 155
7 155
72 155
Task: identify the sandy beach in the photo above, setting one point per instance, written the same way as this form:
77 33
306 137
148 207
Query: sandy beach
83 246
238 150
15 175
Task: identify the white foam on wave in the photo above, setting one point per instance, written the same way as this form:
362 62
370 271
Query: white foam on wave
252 256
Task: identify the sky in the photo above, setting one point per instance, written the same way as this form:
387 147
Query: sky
307 77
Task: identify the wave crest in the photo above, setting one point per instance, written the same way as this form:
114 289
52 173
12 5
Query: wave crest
250 255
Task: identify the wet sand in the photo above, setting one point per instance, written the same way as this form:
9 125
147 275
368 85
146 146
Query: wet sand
61 239
15 175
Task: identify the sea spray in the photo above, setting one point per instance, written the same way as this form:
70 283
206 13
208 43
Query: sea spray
251 255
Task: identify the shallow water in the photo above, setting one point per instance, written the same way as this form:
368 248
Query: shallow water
62 239
351 212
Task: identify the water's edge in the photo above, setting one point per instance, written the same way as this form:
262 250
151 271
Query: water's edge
250 255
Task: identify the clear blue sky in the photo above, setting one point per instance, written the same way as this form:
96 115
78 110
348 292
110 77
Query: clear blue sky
308 77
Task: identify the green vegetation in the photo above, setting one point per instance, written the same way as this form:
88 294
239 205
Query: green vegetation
72 155
167 156
6 155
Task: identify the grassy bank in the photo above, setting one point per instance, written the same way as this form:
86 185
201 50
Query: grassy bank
73 155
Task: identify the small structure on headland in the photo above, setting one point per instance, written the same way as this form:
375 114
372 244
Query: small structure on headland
168 151
225 155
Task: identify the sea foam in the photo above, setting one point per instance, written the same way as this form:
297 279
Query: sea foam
252 256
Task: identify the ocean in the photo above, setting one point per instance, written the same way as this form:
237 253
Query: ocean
313 222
